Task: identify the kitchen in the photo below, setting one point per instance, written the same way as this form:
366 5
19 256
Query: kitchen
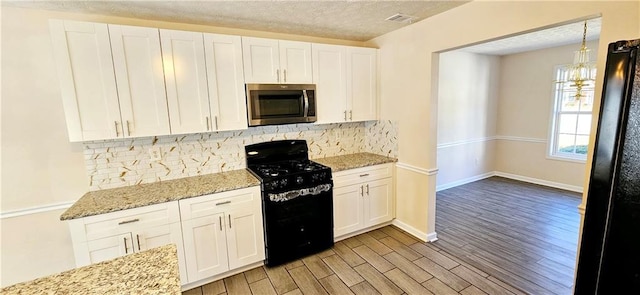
42 169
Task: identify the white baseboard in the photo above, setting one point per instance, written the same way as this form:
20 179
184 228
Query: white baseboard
464 181
548 183
432 237
411 230
553 184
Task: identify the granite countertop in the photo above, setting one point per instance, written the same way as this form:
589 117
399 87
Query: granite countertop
339 163
153 271
110 200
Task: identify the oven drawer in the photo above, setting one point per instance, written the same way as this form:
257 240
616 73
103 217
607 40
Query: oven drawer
219 202
364 174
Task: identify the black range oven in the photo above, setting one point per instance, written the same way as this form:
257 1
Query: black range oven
297 199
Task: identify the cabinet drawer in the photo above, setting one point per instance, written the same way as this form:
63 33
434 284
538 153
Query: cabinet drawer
220 202
110 224
364 174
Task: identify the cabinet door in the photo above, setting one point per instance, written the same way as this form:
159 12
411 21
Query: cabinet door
295 62
361 83
205 247
137 61
110 247
330 77
186 81
149 238
261 60
245 238
88 87
347 209
378 203
223 54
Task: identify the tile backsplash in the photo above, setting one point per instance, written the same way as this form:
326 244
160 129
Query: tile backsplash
124 162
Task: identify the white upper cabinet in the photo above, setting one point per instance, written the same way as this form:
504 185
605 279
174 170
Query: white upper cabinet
362 83
186 81
88 87
346 83
295 62
223 54
330 77
276 61
137 61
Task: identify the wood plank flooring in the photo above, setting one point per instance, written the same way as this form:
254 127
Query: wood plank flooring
497 236
520 233
383 261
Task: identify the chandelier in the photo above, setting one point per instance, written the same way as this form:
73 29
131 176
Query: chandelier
582 72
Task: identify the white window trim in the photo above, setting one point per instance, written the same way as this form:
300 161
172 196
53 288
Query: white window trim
552 136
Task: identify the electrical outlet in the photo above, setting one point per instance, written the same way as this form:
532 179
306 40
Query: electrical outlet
155 154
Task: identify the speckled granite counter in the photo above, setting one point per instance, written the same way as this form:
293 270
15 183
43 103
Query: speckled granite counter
339 163
153 271
110 200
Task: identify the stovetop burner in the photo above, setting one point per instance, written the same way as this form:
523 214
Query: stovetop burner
285 168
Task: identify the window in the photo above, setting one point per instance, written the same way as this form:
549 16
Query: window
571 123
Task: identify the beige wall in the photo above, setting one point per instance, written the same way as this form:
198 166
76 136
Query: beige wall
33 110
40 167
468 86
524 116
409 64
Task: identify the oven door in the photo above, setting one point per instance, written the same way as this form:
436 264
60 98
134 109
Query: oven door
269 104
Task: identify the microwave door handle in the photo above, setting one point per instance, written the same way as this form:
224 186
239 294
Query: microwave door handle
306 103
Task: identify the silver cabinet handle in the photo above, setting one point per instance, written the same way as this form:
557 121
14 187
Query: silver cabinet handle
208 128
278 75
126 249
285 75
363 175
215 118
367 189
361 191
345 115
117 133
220 221
128 221
128 128
229 220
138 238
351 115
223 203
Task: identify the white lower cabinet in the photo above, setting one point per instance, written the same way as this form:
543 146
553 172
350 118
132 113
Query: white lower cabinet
362 198
111 235
213 233
222 232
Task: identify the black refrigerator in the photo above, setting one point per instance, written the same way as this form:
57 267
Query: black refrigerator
609 259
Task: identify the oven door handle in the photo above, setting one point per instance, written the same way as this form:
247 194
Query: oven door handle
306 103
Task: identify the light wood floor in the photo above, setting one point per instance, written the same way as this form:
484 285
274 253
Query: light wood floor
476 254
521 233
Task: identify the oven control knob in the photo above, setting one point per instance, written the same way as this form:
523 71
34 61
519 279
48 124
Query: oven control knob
299 180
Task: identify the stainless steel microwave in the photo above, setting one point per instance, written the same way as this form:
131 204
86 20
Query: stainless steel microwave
271 104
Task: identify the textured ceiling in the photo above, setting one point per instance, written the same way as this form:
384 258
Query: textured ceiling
339 19
551 37
348 20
